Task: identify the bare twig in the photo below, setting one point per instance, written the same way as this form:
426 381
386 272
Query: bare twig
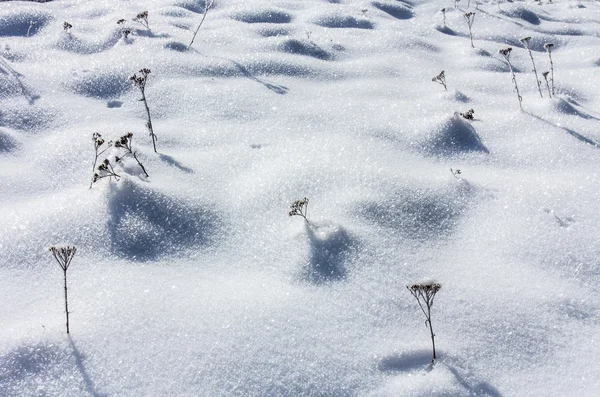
207 5
506 54
525 41
140 82
64 256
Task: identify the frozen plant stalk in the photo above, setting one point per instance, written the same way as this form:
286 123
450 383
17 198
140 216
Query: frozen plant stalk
125 143
470 18
64 256
207 5
525 41
140 82
424 293
548 47
506 54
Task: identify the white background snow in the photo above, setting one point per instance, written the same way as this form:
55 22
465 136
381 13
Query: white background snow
196 282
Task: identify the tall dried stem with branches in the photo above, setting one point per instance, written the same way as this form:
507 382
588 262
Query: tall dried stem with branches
140 82
525 41
424 293
64 256
506 54
470 19
300 208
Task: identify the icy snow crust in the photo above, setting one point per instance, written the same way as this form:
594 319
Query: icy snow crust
195 282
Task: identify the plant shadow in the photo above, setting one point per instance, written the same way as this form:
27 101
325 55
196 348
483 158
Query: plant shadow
420 360
79 361
569 131
174 163
276 88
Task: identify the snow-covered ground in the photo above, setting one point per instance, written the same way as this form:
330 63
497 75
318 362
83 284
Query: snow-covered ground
194 281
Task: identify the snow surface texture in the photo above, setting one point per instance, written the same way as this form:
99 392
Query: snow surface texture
195 282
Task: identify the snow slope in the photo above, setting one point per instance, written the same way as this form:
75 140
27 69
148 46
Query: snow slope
195 282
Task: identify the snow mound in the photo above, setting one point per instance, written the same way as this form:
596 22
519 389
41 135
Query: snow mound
23 22
331 246
453 136
310 49
7 142
101 83
263 16
422 214
145 224
522 13
340 21
393 9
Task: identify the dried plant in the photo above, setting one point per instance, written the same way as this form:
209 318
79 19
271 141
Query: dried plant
443 11
525 41
300 208
548 47
99 149
424 293
105 170
142 19
121 21
506 54
140 82
67 26
456 173
64 256
125 143
468 115
470 19
207 6
31 25
441 79
126 32
545 74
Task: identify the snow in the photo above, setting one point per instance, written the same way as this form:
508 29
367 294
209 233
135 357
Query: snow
194 281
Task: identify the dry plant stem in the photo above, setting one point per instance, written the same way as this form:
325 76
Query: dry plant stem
149 122
551 68
470 18
545 74
140 164
506 54
98 142
537 79
64 256
207 7
425 294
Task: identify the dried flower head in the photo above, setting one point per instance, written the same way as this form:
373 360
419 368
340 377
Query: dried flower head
142 18
525 40
299 208
548 46
441 79
120 21
67 26
469 114
505 51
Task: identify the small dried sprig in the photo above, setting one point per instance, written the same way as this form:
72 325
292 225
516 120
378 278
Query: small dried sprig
67 26
121 21
441 79
64 256
300 208
126 32
456 173
364 11
505 52
525 41
549 47
140 82
468 115
424 293
125 143
31 25
545 74
443 11
105 170
99 149
142 18
207 6
470 19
